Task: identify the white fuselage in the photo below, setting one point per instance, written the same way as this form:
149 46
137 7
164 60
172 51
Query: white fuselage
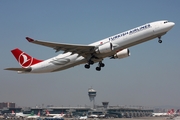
56 115
120 41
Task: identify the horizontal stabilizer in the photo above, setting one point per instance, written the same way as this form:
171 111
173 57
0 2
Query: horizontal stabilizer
19 69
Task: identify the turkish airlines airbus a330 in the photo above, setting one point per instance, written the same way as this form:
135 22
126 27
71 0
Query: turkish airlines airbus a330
115 47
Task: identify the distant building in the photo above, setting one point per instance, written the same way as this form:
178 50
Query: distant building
7 105
92 95
105 104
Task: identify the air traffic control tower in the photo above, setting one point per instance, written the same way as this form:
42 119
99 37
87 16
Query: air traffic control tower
105 104
92 95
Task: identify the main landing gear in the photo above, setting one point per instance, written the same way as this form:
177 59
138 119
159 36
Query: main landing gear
160 41
90 62
98 68
100 65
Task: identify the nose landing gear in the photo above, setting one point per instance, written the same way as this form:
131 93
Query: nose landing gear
160 41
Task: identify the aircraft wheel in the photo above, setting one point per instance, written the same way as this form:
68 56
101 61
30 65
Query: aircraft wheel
98 68
102 65
87 66
160 41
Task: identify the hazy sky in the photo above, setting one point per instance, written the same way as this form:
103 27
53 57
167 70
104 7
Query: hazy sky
149 77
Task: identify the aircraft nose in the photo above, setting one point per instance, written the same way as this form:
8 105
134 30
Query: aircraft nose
172 24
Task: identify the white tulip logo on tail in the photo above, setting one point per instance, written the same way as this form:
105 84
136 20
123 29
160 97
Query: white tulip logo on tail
25 60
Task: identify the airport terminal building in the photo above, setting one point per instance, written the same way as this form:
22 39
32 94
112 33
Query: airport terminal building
108 112
103 110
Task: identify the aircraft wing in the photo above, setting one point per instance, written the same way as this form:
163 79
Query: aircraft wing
74 48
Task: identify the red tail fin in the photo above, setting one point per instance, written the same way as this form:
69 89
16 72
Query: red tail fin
24 59
12 112
39 114
47 112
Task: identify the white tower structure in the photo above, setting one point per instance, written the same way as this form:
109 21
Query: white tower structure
92 95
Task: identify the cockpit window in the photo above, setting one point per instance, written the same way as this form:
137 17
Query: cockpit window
165 22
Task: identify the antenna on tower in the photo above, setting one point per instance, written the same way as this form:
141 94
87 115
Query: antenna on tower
92 95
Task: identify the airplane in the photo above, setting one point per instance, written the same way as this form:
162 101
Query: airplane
12 112
173 112
170 112
55 115
114 47
93 116
159 114
32 115
83 117
21 114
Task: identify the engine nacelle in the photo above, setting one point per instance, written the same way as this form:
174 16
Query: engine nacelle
105 48
121 54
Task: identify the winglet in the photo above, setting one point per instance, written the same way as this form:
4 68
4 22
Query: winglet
30 39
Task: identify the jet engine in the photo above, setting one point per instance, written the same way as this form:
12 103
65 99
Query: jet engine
105 48
121 54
